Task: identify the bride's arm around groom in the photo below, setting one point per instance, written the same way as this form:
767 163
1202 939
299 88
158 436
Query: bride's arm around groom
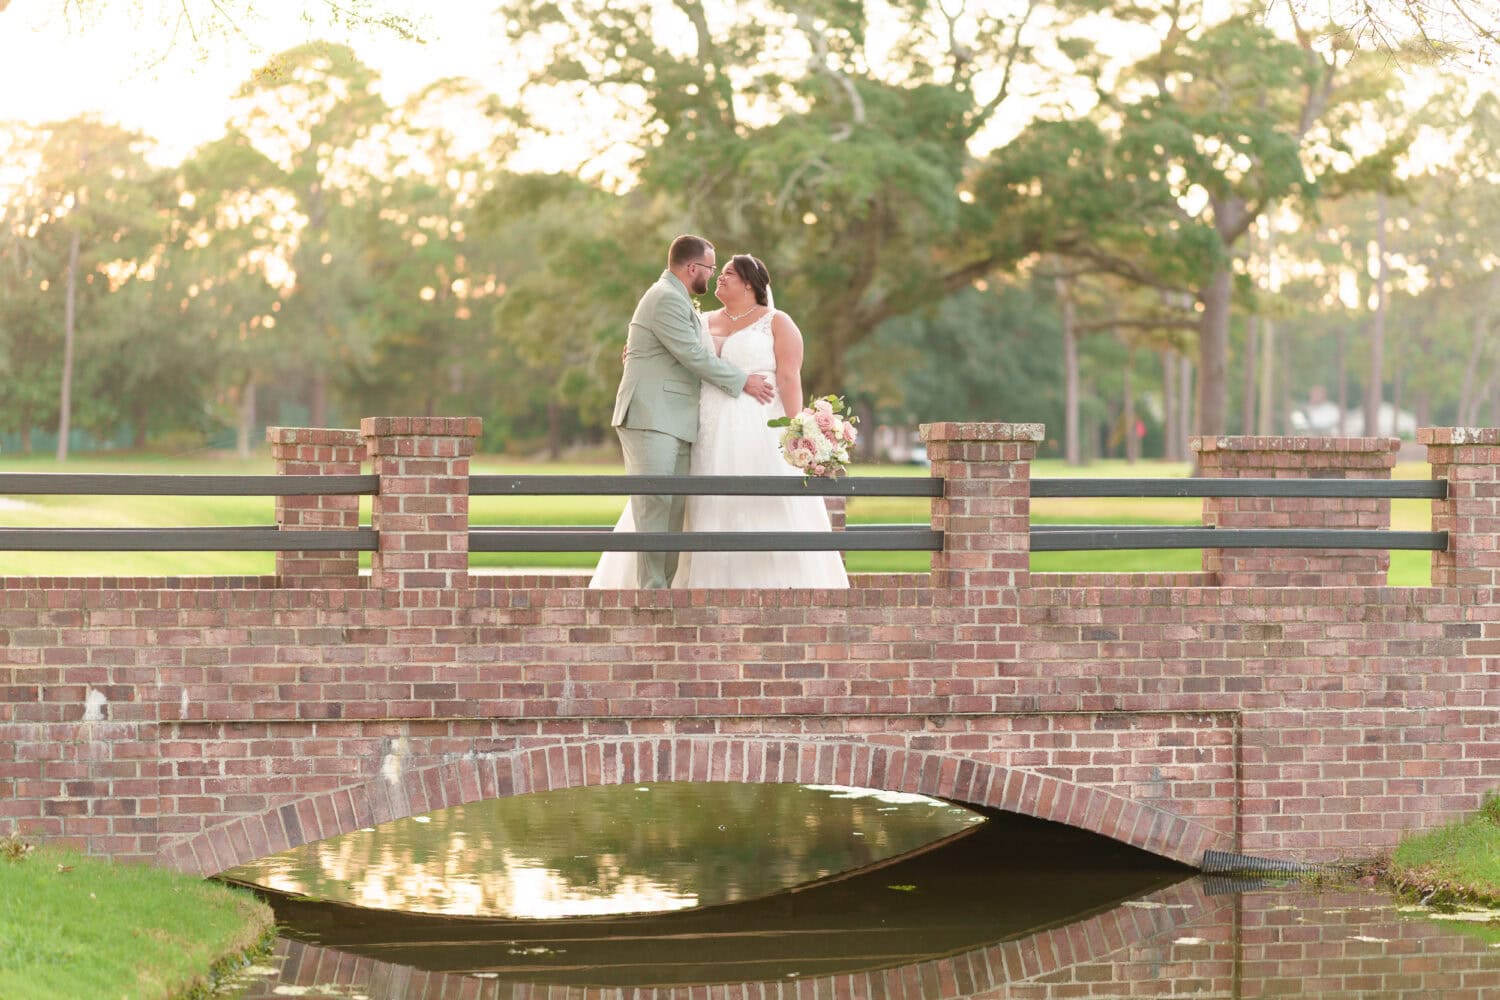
656 408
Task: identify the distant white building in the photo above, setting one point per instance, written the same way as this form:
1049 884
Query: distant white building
1320 418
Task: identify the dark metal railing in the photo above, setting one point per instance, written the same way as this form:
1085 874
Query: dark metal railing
253 538
1094 538
590 538
722 486
1069 538
106 484
1355 489
856 538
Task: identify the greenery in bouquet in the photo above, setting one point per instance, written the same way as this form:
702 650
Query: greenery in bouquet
817 439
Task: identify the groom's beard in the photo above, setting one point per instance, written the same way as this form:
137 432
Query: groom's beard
700 285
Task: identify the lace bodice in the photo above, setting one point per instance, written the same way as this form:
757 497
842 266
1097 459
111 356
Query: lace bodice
752 349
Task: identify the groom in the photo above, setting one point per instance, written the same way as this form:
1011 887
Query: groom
656 408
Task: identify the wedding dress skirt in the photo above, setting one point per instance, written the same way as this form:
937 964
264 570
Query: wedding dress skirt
733 440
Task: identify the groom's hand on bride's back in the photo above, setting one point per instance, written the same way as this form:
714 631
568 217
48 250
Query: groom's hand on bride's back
760 387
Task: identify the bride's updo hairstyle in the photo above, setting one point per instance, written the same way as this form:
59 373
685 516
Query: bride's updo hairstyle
753 273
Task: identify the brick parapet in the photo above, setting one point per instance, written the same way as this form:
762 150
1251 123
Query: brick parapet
317 451
1367 708
1469 459
422 510
985 510
1301 458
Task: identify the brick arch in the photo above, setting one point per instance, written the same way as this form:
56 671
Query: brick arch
626 760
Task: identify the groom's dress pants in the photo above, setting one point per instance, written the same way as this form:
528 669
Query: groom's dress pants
654 453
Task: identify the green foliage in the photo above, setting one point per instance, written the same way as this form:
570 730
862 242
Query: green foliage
75 926
980 355
15 848
1459 861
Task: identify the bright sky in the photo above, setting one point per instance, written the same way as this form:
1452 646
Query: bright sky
124 68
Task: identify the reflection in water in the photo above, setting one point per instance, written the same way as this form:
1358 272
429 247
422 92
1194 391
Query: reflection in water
588 852
1008 879
1176 942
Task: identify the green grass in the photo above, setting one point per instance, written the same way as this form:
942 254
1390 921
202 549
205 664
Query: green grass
73 927
1407 568
1456 863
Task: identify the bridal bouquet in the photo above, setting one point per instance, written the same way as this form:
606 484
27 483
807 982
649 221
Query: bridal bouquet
817 440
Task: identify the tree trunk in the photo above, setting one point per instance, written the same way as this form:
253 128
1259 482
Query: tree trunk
554 429
1267 418
1396 388
1468 405
1071 453
1248 396
1266 410
1169 405
1213 353
140 418
1132 442
65 391
1185 408
1090 445
1376 382
245 425
1286 382
1343 379
317 407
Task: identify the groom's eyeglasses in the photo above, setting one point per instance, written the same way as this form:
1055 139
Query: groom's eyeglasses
710 268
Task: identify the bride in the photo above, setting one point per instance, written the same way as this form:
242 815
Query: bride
733 440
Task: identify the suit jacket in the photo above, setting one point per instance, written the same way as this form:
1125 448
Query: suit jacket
666 363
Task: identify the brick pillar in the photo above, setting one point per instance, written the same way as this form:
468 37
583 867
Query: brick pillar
317 451
422 510
1296 458
1469 458
985 510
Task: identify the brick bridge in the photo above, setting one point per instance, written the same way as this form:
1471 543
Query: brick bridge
1284 704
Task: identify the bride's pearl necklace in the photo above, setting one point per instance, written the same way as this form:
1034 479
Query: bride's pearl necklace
736 317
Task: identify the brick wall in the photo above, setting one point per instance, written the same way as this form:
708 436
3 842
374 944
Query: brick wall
205 722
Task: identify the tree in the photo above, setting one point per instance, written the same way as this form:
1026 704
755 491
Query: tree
307 113
90 217
1223 122
427 312
570 284
30 331
786 132
200 23
1462 31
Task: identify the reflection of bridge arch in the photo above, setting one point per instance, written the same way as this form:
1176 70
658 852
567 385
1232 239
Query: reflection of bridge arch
1099 949
397 794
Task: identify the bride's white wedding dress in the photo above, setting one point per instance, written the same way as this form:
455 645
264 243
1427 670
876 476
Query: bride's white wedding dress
733 440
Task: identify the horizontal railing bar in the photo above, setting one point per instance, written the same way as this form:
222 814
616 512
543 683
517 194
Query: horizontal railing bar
479 528
259 538
1396 489
111 484
910 540
741 486
1113 527
1096 539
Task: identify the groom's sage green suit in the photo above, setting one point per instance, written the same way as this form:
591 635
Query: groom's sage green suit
656 409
